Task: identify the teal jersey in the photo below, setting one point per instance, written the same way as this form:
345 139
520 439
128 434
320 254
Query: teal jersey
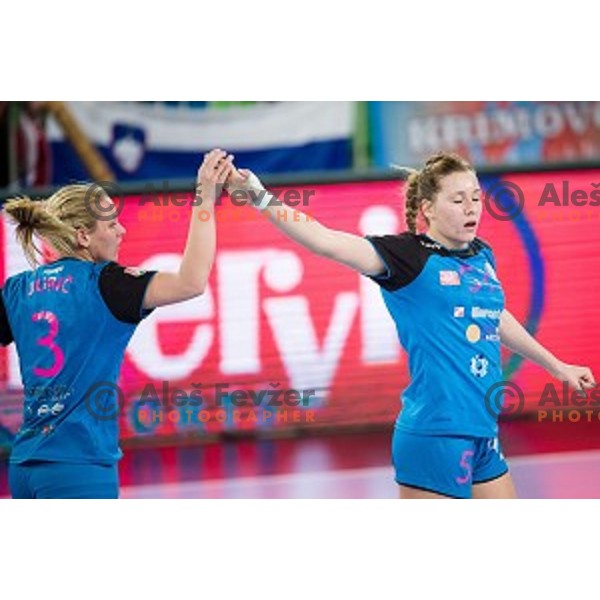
447 306
71 321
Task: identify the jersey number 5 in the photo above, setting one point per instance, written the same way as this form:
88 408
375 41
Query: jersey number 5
465 464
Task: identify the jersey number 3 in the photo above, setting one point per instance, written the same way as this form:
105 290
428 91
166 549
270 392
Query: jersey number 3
48 341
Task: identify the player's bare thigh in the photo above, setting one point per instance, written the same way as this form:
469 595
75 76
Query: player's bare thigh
407 493
499 489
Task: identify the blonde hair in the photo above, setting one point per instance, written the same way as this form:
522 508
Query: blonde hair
425 184
55 220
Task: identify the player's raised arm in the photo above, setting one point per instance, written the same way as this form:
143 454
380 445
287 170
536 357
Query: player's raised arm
199 253
346 248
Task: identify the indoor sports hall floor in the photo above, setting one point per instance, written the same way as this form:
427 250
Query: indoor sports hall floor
549 460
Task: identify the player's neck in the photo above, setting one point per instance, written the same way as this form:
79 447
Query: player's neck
83 254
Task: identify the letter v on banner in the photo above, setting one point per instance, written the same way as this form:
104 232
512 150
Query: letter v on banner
309 364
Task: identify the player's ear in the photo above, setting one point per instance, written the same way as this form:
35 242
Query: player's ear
82 237
427 208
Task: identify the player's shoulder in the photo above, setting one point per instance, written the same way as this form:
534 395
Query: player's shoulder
123 289
16 282
483 247
481 244
114 270
397 241
405 236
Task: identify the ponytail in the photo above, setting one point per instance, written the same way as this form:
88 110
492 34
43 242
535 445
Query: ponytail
54 220
413 198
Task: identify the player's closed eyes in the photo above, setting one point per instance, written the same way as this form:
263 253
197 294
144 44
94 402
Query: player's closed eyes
472 199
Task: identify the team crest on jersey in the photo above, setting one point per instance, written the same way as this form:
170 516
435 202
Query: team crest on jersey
449 278
479 366
459 312
134 272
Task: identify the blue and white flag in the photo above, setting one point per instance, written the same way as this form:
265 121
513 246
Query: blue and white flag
152 141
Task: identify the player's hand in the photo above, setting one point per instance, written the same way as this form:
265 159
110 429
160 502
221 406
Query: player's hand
579 378
243 180
212 175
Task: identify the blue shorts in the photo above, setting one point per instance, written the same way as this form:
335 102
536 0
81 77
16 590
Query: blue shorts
38 479
447 465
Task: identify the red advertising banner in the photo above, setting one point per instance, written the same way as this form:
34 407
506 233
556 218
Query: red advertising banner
284 339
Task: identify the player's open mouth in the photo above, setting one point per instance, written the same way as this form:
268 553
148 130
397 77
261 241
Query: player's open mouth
471 225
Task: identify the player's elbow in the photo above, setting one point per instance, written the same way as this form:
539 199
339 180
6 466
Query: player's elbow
198 289
192 289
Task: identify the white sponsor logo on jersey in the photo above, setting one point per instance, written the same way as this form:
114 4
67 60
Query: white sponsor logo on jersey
485 313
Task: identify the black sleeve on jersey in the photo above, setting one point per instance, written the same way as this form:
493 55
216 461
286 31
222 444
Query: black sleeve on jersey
124 292
6 335
403 256
485 245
